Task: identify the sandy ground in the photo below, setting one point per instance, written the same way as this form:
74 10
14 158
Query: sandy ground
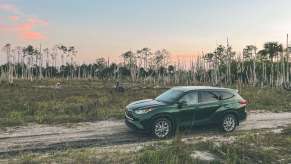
41 138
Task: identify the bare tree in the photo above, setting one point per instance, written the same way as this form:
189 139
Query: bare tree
71 54
9 71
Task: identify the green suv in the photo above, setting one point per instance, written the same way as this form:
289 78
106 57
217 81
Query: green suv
187 106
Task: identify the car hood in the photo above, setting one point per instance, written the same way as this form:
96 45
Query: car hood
142 104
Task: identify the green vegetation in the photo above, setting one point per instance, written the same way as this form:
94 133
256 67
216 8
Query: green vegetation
254 147
268 99
177 152
247 147
75 101
79 156
85 100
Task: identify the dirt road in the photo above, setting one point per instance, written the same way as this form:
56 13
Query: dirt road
40 138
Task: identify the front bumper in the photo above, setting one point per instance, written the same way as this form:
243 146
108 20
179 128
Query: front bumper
133 123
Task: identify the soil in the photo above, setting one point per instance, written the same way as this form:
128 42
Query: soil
110 133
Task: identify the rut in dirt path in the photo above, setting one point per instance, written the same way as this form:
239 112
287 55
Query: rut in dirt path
41 138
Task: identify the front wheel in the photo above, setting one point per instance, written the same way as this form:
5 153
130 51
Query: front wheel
162 128
229 123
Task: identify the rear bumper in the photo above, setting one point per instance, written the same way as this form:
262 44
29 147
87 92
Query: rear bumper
242 116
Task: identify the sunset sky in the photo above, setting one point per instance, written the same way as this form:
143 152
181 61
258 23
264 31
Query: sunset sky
109 27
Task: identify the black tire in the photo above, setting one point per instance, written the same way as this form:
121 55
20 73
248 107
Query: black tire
162 128
229 123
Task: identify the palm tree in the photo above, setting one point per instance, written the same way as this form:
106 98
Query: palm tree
39 61
54 57
159 62
209 58
46 51
229 56
166 57
71 53
18 50
30 52
127 57
64 51
145 54
250 53
219 58
272 49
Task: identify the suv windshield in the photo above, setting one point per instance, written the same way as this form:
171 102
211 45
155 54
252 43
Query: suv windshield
169 96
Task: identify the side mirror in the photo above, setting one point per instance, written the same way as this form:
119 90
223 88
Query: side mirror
181 104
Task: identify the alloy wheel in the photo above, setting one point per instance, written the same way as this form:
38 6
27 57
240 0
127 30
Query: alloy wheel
229 123
162 128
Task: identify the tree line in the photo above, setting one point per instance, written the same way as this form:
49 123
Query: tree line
269 66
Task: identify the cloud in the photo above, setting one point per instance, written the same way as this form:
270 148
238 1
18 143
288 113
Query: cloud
22 26
25 30
9 8
30 35
14 17
38 21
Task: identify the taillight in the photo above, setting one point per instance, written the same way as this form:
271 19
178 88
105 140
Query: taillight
243 102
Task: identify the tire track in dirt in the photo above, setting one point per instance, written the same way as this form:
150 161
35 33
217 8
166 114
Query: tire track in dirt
42 138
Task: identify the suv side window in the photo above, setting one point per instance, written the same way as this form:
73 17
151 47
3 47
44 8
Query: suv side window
207 96
190 98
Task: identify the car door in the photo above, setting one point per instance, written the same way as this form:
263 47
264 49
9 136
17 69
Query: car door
208 103
186 111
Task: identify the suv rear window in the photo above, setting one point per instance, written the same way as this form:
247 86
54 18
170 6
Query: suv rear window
224 95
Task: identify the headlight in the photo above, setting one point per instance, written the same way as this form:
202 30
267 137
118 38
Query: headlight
143 111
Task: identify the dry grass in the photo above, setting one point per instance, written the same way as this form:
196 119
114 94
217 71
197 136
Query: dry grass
84 100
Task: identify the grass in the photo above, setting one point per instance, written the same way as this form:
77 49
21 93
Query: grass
85 100
76 101
79 156
253 147
177 152
174 153
248 147
268 99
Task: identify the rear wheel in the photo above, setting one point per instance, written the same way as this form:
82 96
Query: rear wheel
229 123
162 128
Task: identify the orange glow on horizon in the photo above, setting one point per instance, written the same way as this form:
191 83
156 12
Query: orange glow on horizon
14 17
183 57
